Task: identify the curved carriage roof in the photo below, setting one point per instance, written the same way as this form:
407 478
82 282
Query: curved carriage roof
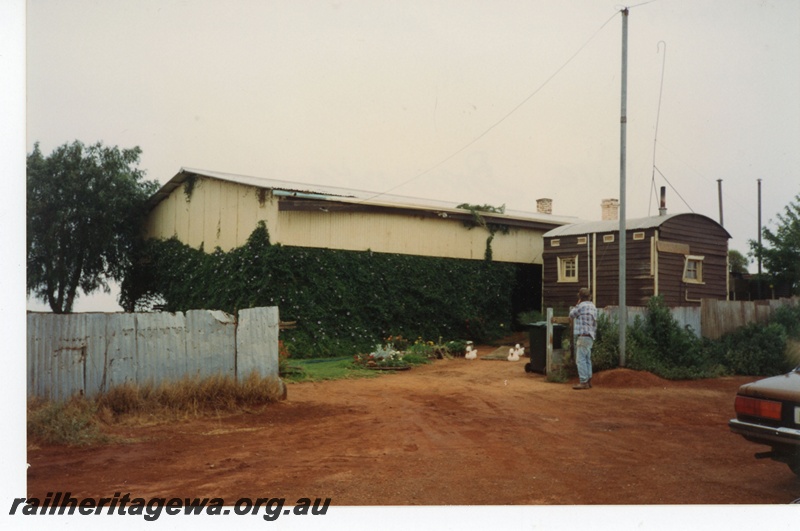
593 227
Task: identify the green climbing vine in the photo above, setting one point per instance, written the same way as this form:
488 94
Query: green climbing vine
343 301
189 185
478 220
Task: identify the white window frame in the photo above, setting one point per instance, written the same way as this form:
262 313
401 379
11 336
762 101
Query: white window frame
564 263
693 269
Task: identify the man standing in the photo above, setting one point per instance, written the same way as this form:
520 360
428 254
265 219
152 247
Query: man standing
584 321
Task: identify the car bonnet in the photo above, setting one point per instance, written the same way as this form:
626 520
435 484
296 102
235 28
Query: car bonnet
783 387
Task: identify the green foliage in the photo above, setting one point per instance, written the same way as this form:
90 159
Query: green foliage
456 347
416 359
660 345
343 301
421 349
605 351
789 318
755 349
479 221
781 257
559 375
85 205
316 370
528 317
737 262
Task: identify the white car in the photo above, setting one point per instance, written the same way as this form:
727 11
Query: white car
768 412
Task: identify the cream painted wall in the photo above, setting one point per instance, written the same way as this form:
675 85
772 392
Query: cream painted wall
219 214
223 214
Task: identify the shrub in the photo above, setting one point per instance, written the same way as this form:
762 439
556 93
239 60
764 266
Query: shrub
657 343
416 359
757 350
456 347
558 375
605 352
73 422
789 318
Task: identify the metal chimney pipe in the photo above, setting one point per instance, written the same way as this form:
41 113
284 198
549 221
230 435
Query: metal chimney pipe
662 210
719 193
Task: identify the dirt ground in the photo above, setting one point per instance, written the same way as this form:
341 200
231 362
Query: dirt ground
455 432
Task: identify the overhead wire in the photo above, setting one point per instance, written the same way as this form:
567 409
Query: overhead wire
502 119
658 117
674 189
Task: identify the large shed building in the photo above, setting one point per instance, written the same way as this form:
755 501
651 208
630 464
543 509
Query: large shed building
214 209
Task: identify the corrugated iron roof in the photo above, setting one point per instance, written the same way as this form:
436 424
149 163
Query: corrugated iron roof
345 195
593 227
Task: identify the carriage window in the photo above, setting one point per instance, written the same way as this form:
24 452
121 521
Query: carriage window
568 268
693 269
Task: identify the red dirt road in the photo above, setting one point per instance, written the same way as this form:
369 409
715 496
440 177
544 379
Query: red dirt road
453 432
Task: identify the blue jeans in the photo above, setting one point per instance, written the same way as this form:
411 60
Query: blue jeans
583 357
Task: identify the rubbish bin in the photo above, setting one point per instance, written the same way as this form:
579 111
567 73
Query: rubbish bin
537 335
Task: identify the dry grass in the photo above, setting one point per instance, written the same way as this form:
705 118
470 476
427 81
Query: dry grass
79 421
193 396
74 422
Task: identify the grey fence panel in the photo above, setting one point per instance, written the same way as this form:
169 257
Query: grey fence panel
714 318
211 336
97 340
722 317
57 351
686 316
119 352
689 317
160 347
91 353
257 342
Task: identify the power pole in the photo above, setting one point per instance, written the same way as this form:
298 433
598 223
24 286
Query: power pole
623 308
758 291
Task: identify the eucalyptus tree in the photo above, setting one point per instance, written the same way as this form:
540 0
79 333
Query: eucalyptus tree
85 207
781 255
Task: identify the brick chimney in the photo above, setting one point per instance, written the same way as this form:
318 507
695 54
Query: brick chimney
609 209
544 206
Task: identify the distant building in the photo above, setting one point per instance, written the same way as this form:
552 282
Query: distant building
683 257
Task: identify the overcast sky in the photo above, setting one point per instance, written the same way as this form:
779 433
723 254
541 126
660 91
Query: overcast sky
495 102
500 102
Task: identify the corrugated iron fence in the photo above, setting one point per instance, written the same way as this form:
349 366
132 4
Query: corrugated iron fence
714 318
91 352
721 317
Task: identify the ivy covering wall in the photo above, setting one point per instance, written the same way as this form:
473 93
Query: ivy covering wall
343 302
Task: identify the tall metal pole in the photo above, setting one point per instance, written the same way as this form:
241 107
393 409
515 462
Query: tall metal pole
758 290
623 308
719 193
